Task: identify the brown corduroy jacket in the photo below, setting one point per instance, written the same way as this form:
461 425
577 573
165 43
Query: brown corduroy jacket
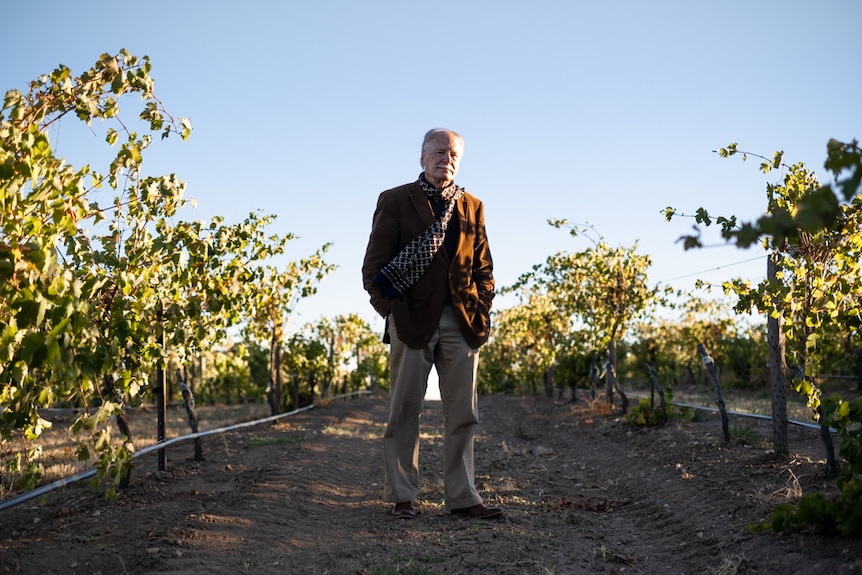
467 280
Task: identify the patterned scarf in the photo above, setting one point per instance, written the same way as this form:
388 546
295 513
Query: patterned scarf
410 264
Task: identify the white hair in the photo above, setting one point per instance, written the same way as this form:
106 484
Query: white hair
433 132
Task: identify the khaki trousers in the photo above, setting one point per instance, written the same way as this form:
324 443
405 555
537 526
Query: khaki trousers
457 365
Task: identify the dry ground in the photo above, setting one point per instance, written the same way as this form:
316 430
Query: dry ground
583 494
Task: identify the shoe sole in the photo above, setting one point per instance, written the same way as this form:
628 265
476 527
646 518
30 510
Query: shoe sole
488 516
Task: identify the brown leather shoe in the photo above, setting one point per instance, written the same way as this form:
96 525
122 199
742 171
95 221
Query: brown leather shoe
479 511
404 510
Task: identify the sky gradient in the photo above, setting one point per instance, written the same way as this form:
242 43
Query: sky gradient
599 112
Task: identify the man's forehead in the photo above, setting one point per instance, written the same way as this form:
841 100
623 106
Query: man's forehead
445 140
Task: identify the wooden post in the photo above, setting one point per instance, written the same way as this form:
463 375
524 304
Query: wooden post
161 400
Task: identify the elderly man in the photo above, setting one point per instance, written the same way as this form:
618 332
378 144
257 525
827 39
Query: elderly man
429 272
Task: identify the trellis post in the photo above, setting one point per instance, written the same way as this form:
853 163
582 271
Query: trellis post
161 392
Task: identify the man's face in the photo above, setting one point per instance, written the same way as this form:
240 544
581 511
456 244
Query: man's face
440 159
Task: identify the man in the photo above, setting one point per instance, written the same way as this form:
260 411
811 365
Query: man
429 272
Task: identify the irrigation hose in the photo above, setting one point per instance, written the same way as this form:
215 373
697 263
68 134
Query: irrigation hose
13 501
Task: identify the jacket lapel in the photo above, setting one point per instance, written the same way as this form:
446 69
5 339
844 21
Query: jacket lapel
422 205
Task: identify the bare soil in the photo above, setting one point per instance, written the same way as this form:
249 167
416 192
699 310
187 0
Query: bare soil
583 493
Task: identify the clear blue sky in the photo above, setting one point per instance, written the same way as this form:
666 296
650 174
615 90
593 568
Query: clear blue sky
599 112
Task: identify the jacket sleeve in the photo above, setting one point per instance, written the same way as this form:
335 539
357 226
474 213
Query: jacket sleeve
382 247
483 265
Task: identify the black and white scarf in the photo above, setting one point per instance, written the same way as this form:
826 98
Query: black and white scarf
410 264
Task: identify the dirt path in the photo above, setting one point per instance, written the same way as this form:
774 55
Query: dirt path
583 494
